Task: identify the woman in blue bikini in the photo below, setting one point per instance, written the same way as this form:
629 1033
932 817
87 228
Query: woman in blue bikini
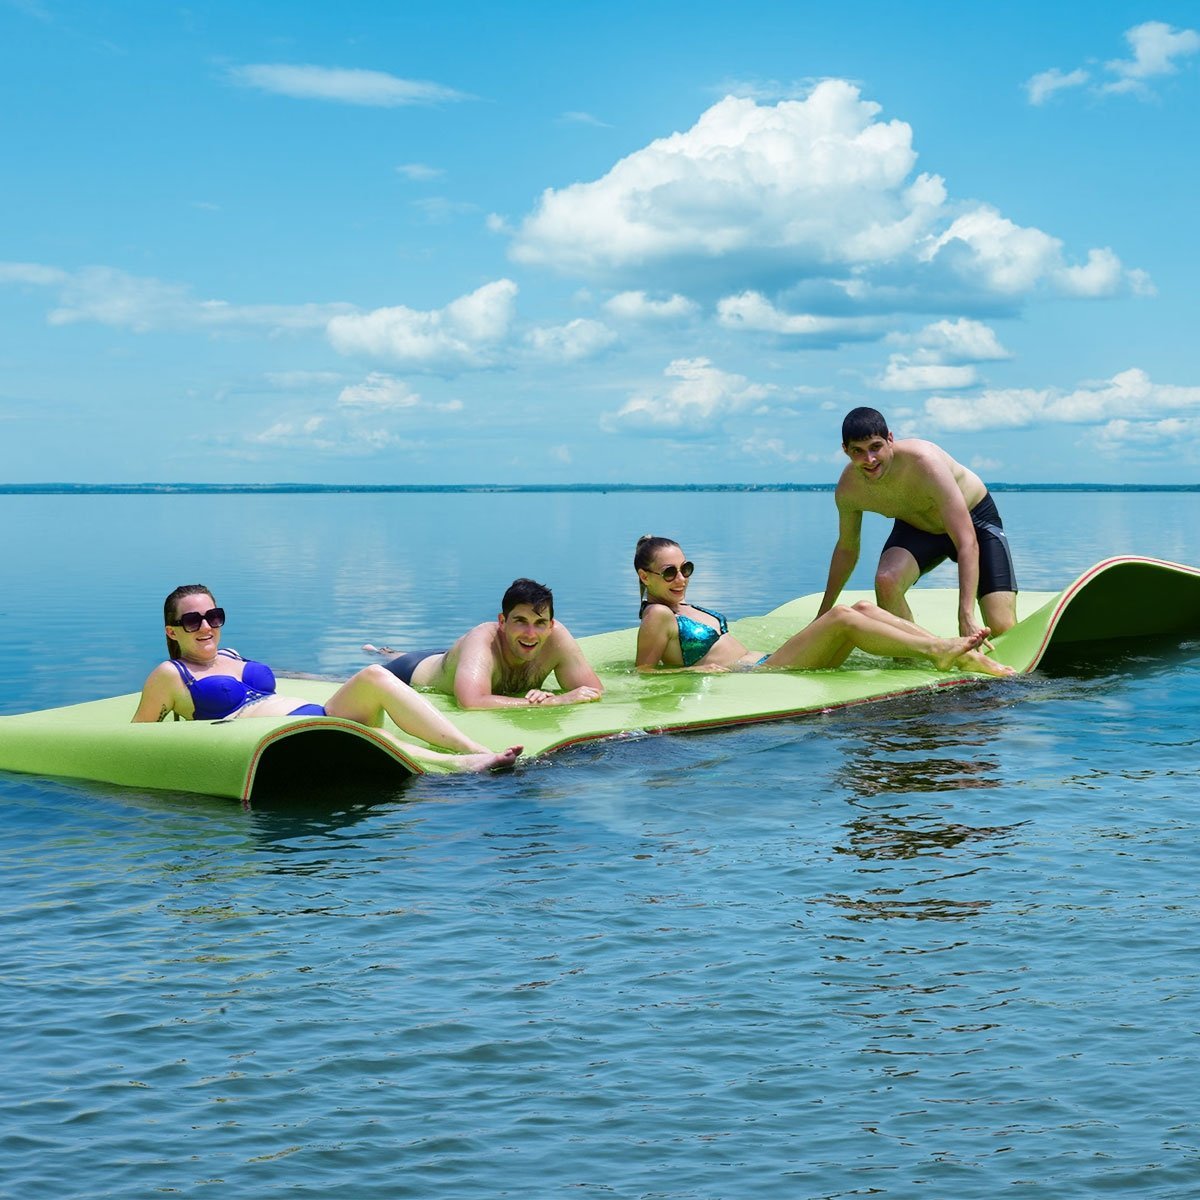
680 635
202 682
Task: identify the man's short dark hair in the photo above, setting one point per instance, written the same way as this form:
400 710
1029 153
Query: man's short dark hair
863 423
528 591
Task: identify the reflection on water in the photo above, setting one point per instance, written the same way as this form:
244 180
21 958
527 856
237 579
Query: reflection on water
943 946
899 835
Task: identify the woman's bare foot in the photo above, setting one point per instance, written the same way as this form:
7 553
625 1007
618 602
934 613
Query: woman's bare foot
979 663
489 760
946 652
369 649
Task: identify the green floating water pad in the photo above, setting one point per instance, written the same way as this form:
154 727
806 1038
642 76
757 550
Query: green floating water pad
1118 598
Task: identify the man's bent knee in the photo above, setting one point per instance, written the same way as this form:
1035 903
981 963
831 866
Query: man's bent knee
999 610
890 586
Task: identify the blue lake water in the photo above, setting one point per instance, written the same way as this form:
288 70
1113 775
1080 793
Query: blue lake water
942 947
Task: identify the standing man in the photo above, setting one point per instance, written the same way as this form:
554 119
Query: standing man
941 510
503 663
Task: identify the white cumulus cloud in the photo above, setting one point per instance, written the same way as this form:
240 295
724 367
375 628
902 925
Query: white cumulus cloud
811 180
963 340
990 251
1166 434
816 196
1130 396
941 357
466 333
753 311
637 306
696 396
571 342
905 375
342 85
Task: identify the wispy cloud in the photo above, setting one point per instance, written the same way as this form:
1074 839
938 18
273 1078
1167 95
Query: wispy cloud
1158 50
441 210
33 273
1045 84
115 298
583 118
419 172
1156 47
343 85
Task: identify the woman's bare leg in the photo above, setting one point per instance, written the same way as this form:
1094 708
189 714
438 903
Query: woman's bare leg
365 697
972 660
828 640
488 760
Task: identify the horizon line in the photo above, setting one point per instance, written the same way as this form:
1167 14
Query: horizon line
68 488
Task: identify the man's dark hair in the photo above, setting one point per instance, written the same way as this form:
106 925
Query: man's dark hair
528 591
863 423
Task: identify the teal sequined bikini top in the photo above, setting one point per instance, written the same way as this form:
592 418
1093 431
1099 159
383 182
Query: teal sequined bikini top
696 638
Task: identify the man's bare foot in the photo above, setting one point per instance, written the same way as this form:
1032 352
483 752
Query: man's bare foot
489 760
979 664
369 649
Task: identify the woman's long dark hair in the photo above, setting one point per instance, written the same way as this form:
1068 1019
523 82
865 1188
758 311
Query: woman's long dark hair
171 612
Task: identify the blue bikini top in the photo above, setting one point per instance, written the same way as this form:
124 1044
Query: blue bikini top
696 638
218 696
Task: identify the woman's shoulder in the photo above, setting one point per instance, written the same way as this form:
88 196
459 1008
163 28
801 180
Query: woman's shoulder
654 613
165 677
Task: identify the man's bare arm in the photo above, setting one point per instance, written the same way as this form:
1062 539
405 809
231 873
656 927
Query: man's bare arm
957 520
845 554
580 684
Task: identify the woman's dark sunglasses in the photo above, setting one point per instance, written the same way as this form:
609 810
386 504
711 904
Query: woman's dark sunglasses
669 573
190 621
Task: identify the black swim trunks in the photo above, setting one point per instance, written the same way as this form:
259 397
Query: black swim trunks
404 666
996 573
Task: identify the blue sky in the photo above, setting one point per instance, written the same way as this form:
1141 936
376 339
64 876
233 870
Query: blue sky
652 242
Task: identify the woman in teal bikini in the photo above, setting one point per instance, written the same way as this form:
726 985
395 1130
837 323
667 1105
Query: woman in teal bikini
202 682
675 633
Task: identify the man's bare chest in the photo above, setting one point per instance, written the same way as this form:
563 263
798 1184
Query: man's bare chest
917 508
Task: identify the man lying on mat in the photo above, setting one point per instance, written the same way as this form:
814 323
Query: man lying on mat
503 663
